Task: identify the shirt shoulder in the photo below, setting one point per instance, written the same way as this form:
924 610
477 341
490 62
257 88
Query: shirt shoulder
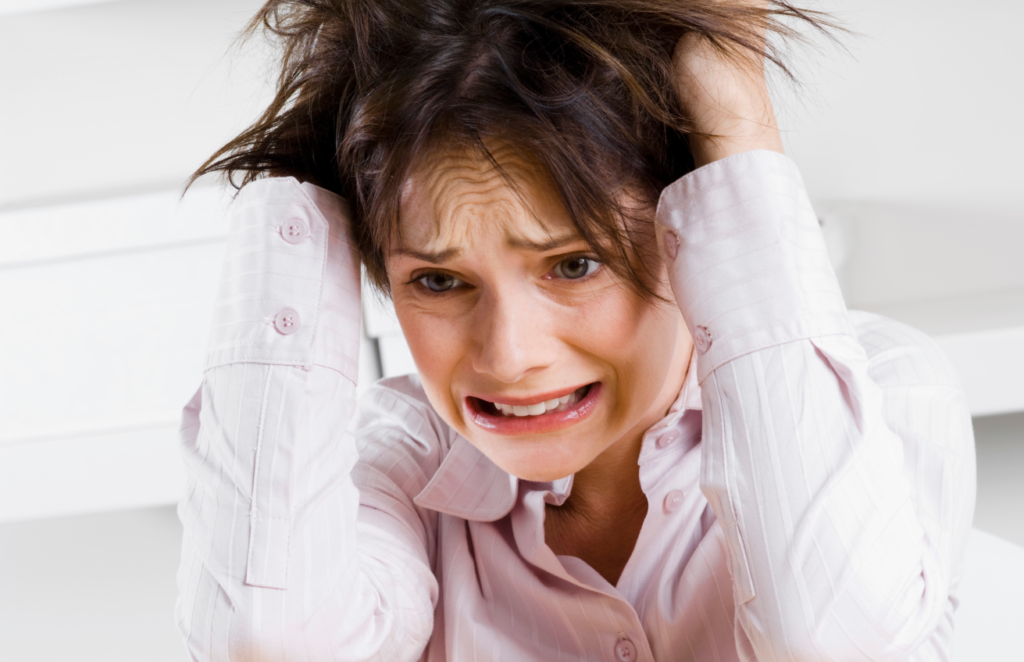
405 446
395 412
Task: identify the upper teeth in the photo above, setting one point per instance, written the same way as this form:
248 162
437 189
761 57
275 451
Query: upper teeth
560 404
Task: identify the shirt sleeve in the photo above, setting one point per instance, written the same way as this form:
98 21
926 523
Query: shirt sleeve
279 559
838 457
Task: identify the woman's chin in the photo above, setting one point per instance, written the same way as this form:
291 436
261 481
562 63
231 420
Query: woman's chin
541 474
541 463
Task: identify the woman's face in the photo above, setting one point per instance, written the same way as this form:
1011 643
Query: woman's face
536 353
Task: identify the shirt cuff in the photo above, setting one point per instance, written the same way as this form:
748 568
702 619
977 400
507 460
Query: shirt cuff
747 260
289 291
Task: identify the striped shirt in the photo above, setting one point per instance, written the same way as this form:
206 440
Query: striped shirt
810 491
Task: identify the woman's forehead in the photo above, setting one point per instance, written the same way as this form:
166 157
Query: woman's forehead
459 197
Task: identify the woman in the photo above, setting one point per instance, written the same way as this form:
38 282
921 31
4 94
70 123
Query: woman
645 427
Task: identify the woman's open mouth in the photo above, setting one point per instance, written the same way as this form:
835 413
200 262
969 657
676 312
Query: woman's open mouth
544 413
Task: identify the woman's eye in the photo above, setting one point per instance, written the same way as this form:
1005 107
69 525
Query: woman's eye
439 282
576 267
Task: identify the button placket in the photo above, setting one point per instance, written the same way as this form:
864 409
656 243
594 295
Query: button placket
287 321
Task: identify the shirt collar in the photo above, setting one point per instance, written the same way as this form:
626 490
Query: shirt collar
687 400
689 395
469 485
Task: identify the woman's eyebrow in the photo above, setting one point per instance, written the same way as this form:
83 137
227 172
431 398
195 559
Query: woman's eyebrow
515 242
542 247
433 258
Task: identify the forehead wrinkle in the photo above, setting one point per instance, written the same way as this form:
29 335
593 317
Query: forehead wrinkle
467 195
463 213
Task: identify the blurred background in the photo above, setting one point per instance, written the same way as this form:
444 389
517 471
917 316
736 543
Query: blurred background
909 142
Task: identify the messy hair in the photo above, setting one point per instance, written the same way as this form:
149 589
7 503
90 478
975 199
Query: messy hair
368 89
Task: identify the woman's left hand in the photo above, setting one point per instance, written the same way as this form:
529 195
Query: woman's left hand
726 96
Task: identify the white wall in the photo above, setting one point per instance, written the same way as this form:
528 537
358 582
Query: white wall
120 97
917 131
108 280
925 110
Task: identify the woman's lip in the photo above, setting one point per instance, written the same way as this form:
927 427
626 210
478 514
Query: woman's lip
523 425
530 399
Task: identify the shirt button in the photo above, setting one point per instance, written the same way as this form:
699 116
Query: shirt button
670 437
673 500
702 339
671 245
625 650
286 322
294 231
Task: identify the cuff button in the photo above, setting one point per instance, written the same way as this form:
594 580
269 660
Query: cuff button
702 339
294 232
286 322
671 245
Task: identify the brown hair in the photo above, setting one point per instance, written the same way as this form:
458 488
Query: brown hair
584 87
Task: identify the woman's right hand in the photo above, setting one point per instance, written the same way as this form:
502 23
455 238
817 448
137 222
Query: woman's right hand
725 93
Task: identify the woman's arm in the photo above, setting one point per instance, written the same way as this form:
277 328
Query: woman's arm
278 561
840 467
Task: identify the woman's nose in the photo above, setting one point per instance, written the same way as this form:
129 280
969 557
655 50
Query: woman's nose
512 338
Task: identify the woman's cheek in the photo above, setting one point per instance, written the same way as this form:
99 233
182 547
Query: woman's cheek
610 326
436 344
633 337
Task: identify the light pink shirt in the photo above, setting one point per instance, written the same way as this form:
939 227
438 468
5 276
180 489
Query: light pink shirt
810 491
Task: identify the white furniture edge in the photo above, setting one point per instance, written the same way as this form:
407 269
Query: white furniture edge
21 7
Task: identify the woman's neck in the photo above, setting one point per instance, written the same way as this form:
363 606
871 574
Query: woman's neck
601 520
609 484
